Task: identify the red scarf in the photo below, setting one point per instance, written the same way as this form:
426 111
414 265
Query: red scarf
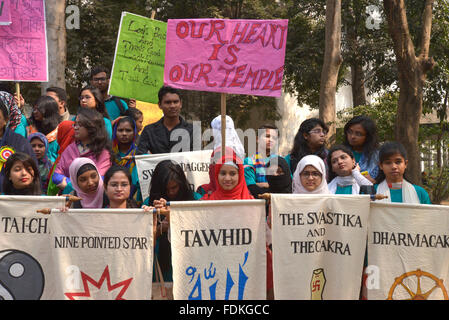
239 192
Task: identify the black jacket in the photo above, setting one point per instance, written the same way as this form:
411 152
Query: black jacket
155 138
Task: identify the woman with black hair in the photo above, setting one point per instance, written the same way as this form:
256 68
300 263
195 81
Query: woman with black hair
91 97
124 148
137 115
10 142
391 180
45 119
21 176
309 140
91 141
117 186
344 173
168 183
360 134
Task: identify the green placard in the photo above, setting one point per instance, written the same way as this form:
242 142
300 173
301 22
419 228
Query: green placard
138 70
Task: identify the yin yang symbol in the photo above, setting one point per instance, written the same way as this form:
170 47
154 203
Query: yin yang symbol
21 276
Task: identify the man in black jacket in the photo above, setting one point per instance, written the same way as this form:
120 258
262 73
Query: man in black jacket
171 133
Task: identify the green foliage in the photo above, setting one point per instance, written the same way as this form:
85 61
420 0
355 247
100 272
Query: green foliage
383 112
436 183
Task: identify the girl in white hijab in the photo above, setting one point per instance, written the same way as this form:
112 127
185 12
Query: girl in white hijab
310 176
232 138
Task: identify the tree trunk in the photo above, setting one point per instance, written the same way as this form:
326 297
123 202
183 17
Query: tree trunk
56 43
331 66
357 84
412 76
356 61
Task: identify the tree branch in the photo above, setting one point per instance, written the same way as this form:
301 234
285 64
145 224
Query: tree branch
426 28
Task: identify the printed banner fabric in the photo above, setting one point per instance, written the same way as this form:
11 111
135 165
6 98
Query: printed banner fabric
195 165
319 243
26 266
408 252
102 254
218 250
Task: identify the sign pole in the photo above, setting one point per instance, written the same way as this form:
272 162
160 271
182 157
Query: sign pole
18 95
223 123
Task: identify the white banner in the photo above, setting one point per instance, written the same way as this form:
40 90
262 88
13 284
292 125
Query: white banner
319 244
104 254
195 165
408 252
26 266
218 250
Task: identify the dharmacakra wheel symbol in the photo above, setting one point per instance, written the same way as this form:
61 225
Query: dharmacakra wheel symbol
418 295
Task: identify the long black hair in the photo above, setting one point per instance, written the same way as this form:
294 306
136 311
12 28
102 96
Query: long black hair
29 164
100 106
94 124
340 147
165 171
300 147
49 109
387 150
130 203
372 142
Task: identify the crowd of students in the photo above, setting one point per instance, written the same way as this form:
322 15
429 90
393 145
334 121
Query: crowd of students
90 155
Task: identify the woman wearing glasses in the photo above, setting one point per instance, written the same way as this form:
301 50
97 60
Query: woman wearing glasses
360 134
310 139
91 141
117 186
310 176
91 97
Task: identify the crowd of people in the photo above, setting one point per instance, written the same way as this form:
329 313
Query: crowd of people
90 155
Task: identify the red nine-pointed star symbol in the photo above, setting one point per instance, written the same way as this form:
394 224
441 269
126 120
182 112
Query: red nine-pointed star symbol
105 276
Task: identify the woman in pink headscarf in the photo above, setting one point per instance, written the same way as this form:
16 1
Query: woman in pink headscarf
87 183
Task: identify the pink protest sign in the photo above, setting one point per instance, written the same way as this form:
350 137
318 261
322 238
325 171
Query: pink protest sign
23 43
5 13
229 56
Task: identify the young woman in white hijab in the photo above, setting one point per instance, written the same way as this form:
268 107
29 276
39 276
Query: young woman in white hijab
344 173
232 138
310 176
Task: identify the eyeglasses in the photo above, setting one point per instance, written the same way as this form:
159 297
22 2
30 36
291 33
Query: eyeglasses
99 79
116 185
355 133
313 174
318 131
